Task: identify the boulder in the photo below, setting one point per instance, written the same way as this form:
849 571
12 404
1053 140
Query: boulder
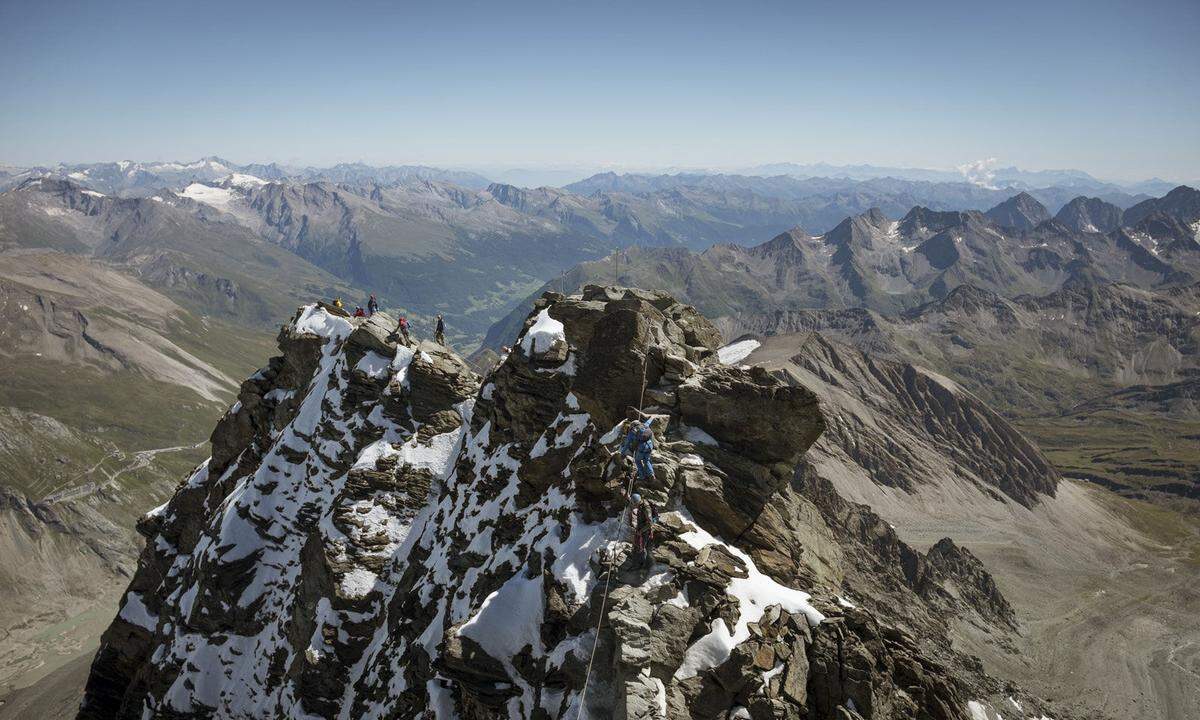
375 333
752 412
438 379
642 696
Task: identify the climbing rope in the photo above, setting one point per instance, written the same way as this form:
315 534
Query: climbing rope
603 600
611 559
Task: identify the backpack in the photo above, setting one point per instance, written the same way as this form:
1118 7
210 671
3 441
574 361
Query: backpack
644 434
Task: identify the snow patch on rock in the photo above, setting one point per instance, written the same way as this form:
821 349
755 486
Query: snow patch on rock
754 594
734 353
544 332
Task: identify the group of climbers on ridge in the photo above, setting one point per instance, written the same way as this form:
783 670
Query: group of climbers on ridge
372 308
401 331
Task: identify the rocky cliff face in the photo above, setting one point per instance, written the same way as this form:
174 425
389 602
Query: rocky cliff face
903 426
1090 215
379 533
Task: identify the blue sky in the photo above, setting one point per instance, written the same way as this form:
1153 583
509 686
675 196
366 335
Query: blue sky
1108 87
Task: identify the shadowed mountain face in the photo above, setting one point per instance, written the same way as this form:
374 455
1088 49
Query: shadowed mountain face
891 442
379 531
1182 203
904 425
1090 215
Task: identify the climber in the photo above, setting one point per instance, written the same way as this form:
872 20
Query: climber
639 439
402 329
642 522
439 333
337 303
359 312
372 305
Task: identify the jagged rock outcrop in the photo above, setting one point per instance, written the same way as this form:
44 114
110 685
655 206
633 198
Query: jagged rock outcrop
876 562
1090 215
380 534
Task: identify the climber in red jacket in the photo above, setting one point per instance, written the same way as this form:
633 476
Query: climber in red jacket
642 522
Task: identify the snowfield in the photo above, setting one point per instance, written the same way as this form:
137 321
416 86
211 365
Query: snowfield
734 353
209 195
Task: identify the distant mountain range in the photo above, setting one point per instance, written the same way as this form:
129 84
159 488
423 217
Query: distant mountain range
140 179
997 177
426 245
889 265
823 202
429 245
129 177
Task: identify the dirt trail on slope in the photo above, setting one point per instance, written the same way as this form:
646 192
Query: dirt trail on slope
140 459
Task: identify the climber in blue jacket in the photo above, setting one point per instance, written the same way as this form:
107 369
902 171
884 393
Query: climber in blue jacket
639 440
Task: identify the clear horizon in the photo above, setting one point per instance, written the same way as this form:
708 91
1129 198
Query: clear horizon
591 168
627 88
497 171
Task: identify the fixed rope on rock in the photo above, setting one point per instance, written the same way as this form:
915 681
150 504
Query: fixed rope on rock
611 559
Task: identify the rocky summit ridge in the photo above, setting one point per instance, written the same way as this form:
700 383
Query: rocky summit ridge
381 533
